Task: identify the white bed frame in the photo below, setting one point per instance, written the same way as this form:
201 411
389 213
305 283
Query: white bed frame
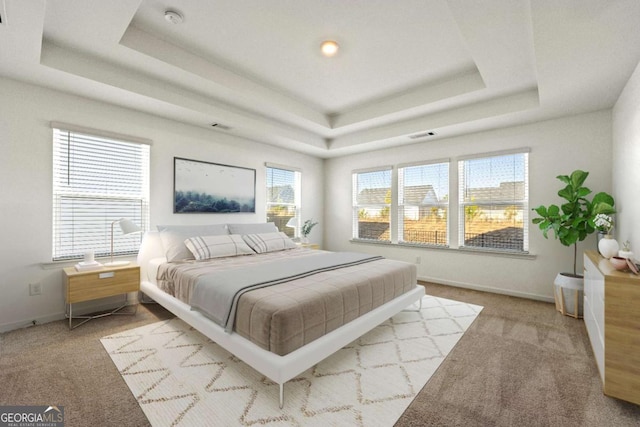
279 369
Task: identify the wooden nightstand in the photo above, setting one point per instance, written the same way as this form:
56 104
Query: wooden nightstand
89 285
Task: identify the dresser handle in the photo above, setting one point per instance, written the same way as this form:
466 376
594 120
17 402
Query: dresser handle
106 275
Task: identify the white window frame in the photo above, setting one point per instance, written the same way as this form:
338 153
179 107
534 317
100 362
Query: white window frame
523 203
67 242
297 204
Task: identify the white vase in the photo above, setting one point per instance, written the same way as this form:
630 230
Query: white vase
608 246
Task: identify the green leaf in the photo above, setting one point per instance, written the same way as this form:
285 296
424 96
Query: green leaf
571 237
578 177
568 208
567 193
541 210
564 178
553 210
583 191
537 220
603 197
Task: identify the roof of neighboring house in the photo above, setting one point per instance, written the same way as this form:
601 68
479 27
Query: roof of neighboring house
413 195
420 195
506 191
373 196
281 194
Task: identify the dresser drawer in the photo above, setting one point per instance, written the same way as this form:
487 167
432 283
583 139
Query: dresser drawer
101 284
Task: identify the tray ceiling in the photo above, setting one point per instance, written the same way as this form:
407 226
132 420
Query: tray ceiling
403 68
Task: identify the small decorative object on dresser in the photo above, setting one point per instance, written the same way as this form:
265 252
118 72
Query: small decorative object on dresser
608 246
619 263
625 252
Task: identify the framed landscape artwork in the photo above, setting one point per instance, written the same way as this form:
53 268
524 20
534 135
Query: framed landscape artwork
203 187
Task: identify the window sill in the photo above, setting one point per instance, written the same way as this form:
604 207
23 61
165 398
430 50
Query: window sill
52 265
466 250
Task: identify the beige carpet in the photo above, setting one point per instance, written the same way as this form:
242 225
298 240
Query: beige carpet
180 378
519 364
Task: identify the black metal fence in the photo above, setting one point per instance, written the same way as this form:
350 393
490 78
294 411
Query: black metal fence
426 237
510 238
372 230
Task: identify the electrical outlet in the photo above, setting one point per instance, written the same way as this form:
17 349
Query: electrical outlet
418 260
35 289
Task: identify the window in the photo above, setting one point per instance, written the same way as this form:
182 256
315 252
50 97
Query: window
372 204
493 201
423 203
283 198
97 180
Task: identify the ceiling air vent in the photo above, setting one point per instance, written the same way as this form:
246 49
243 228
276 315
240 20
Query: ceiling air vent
220 126
421 135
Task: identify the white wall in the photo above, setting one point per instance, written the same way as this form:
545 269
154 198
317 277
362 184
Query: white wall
26 181
626 163
557 148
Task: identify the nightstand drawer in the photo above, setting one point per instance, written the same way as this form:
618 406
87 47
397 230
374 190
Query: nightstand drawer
101 284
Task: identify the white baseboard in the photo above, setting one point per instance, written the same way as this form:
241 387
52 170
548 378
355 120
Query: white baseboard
486 289
6 327
85 308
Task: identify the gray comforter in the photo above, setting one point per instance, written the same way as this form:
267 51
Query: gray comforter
216 295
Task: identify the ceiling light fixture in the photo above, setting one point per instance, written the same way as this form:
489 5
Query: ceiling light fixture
329 48
173 17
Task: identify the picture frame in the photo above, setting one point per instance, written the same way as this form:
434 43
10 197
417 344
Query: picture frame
204 187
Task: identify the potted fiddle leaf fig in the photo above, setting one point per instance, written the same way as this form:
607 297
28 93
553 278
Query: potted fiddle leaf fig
572 222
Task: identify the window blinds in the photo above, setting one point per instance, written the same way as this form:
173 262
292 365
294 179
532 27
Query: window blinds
97 180
423 203
372 204
283 198
493 202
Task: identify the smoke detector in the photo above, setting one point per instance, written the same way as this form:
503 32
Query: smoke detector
173 17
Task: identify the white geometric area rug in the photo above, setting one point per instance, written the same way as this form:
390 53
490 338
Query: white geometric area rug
180 378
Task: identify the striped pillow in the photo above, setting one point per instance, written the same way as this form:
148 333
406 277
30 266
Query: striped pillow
269 242
207 247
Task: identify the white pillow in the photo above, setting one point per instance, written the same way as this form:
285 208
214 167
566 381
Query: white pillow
269 242
173 237
207 247
254 228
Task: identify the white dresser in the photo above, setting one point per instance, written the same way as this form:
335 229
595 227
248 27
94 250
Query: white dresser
612 317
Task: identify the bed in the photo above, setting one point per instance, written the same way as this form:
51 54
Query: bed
262 334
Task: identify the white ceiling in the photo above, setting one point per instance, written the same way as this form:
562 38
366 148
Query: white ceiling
404 67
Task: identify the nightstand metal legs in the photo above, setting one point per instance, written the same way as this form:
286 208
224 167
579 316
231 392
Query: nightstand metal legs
69 313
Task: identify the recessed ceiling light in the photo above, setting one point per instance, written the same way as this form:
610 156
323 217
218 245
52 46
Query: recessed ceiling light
329 48
173 17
